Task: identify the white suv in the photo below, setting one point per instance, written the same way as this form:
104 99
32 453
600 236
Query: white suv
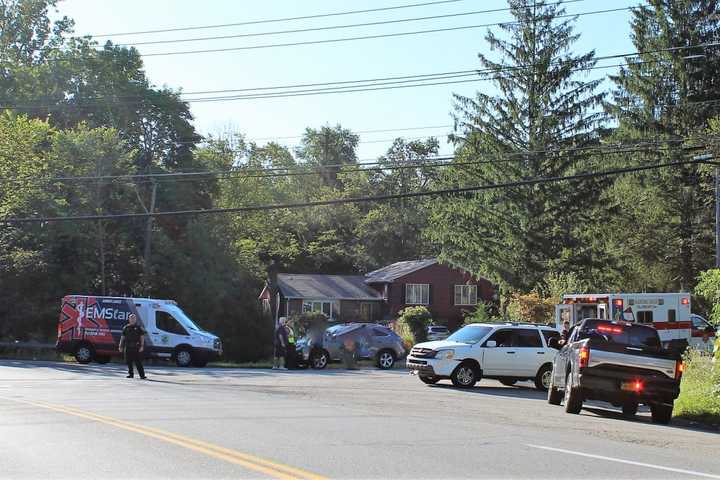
508 352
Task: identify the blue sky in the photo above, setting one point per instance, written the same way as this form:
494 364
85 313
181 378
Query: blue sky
288 117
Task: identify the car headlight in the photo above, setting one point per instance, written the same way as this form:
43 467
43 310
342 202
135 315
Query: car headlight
445 354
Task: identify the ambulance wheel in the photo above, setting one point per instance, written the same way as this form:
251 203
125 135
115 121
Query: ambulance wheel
84 353
183 357
102 359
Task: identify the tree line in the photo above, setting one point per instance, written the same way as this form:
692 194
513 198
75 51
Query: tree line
70 107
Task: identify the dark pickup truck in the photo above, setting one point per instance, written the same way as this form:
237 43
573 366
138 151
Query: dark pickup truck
616 362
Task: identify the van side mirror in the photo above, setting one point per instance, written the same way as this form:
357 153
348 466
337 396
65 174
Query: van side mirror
491 344
554 343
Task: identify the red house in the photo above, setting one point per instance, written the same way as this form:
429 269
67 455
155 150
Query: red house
446 291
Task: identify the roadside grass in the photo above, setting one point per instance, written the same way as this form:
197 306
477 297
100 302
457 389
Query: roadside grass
699 399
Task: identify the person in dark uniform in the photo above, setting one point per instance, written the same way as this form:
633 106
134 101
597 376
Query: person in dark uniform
132 343
565 333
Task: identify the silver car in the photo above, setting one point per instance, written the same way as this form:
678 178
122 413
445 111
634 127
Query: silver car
437 332
371 341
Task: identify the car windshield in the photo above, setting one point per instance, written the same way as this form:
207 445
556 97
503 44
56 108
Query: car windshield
626 335
470 334
183 318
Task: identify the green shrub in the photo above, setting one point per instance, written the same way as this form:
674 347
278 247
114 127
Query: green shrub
306 322
708 288
530 307
482 314
414 320
700 389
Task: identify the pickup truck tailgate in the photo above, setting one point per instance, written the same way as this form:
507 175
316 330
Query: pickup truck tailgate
632 360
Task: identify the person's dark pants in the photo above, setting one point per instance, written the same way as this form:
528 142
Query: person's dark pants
290 359
134 357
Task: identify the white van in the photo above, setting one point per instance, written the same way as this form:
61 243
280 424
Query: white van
90 328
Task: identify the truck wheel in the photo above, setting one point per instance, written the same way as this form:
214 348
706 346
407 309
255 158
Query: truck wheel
555 396
183 357
508 382
84 353
319 359
430 380
465 376
630 408
661 413
573 400
385 360
543 378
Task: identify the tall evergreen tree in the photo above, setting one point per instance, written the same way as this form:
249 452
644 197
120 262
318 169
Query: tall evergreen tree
660 223
543 112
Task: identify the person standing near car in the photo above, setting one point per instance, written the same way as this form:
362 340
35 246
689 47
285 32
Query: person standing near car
290 360
281 345
132 344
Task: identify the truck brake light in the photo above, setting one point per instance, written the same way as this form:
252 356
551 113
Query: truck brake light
685 301
584 357
618 302
679 367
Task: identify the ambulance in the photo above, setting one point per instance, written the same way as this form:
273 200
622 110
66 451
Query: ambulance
90 328
668 313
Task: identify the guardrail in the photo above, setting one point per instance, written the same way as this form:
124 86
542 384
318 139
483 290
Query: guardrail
34 350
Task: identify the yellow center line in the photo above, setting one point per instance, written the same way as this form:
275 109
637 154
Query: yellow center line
251 462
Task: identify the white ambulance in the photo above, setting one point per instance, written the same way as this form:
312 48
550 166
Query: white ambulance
90 327
668 313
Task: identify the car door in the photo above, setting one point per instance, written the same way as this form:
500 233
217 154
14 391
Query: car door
167 333
498 360
530 354
562 359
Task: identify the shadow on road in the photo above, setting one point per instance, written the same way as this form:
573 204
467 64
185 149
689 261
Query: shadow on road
165 371
497 391
608 412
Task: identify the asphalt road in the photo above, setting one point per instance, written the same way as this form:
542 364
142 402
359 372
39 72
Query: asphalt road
64 420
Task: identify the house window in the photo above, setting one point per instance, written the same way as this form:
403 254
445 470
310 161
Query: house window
319 306
465 294
417 294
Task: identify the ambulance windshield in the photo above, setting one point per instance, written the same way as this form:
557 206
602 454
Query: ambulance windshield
183 318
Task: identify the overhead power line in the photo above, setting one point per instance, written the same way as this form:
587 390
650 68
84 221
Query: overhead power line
354 200
370 37
310 17
359 132
314 29
305 169
374 84
285 19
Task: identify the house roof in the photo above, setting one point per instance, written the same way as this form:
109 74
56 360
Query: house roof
326 287
397 270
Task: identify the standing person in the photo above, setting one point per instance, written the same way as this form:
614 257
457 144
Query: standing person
290 360
281 345
132 343
565 334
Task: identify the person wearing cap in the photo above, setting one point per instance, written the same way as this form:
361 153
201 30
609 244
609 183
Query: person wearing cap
281 345
132 344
